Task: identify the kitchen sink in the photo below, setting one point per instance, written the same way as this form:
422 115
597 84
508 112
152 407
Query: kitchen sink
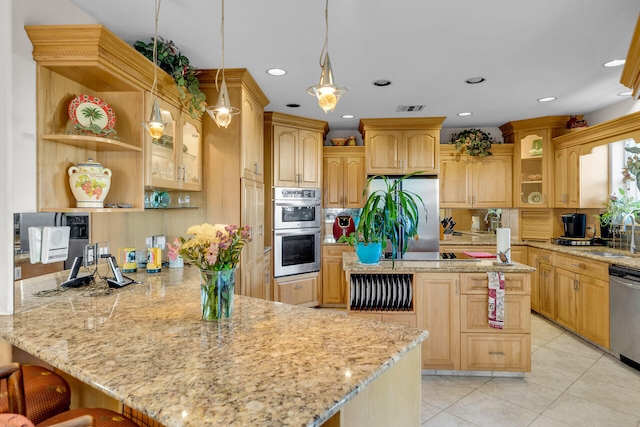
609 254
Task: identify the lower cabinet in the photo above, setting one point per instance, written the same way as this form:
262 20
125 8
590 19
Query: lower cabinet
301 289
488 352
533 260
574 292
334 282
438 302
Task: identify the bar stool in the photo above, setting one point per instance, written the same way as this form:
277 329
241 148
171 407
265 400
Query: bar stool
16 404
46 393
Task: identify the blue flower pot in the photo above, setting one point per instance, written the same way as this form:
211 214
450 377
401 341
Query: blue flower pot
369 253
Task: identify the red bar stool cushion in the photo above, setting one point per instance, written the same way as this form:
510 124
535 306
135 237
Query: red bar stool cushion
101 418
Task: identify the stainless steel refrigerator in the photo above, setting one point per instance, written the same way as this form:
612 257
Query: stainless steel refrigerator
427 187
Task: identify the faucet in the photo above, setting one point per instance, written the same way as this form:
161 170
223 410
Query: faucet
492 218
632 245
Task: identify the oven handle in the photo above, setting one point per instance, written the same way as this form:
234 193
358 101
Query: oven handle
313 204
297 231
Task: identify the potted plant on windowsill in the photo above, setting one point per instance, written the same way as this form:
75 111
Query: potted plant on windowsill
617 207
389 214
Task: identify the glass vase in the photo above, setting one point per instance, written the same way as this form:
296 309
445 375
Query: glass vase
216 293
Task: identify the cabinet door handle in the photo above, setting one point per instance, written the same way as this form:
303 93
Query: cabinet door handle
297 287
498 353
260 230
581 265
576 285
255 168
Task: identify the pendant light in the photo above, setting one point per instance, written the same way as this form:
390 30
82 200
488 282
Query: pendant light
155 125
327 92
222 112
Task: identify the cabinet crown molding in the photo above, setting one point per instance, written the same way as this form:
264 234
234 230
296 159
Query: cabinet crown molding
535 123
235 78
272 117
95 57
401 123
630 76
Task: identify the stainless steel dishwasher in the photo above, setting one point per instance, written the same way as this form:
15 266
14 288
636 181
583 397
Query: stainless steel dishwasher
624 296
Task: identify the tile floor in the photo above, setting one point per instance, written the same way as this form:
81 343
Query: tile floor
571 383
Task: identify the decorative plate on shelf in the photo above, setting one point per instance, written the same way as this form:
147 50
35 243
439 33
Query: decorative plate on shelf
91 114
535 198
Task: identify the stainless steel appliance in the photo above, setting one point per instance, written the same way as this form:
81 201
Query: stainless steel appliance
297 236
575 225
428 188
624 303
296 208
77 222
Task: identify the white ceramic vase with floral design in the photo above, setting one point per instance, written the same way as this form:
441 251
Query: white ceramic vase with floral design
90 183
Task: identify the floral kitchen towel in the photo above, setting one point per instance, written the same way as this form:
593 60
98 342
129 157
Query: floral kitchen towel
496 299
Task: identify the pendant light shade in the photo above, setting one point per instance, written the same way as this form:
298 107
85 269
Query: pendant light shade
222 112
155 125
327 91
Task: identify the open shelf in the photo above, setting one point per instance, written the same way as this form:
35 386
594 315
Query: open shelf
94 143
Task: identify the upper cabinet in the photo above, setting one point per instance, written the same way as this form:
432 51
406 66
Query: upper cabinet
294 145
343 177
174 161
581 181
476 182
89 59
401 146
252 137
533 159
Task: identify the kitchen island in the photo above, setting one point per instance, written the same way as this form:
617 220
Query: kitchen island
449 298
270 364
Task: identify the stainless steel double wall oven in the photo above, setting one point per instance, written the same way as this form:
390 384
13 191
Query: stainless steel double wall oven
297 236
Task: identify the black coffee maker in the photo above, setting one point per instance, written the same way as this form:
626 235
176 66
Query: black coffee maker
574 225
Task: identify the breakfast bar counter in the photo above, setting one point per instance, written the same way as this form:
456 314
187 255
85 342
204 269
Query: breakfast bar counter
146 346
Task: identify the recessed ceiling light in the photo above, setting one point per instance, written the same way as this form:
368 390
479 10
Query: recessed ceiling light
276 72
614 63
348 116
547 99
293 105
381 83
474 80
466 113
625 93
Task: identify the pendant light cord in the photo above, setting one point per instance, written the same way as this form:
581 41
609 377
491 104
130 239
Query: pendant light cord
326 33
155 49
222 37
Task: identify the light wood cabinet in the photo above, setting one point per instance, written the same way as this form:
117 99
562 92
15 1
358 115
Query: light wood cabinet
533 159
401 146
300 289
252 137
294 148
344 177
547 293
520 254
533 260
334 281
268 282
487 349
174 162
581 180
582 297
235 192
473 182
438 311
89 59
252 263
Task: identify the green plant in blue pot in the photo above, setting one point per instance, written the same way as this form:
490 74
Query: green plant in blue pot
389 214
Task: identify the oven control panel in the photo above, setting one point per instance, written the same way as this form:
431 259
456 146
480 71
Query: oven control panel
280 193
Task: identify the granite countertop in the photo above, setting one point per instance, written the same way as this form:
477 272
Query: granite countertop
146 346
352 265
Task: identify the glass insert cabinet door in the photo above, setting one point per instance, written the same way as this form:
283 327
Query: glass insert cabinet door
191 155
533 152
162 153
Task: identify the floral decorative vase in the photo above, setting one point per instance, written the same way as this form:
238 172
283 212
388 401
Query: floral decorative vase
90 183
216 294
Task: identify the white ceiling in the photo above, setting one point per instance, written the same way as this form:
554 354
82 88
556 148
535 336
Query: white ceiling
427 49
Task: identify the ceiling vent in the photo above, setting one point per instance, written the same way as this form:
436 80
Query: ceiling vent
409 108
